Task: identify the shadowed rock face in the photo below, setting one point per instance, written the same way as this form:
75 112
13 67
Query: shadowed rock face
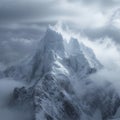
71 110
104 99
46 99
51 75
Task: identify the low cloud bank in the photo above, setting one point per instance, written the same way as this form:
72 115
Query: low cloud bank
6 88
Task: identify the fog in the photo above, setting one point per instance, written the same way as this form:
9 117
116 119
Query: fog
7 86
107 52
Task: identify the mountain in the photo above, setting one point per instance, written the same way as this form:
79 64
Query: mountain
57 56
57 83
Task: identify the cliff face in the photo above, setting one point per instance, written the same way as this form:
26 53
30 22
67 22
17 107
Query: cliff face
55 76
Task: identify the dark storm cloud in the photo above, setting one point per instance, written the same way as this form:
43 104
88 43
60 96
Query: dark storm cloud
19 34
33 10
16 11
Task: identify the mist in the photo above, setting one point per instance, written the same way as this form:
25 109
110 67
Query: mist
107 52
7 86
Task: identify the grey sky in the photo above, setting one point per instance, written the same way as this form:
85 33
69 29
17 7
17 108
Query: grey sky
26 20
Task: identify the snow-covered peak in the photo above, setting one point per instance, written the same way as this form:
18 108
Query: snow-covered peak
56 50
56 56
52 41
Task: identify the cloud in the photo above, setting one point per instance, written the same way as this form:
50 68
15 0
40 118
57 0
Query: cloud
108 53
102 3
16 49
12 11
7 86
20 11
28 20
108 75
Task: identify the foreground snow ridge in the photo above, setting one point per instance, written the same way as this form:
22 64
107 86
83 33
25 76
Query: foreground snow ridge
57 84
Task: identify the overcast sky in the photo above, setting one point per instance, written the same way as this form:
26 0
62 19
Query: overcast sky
23 22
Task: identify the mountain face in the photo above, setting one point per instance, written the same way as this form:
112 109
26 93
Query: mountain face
57 84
